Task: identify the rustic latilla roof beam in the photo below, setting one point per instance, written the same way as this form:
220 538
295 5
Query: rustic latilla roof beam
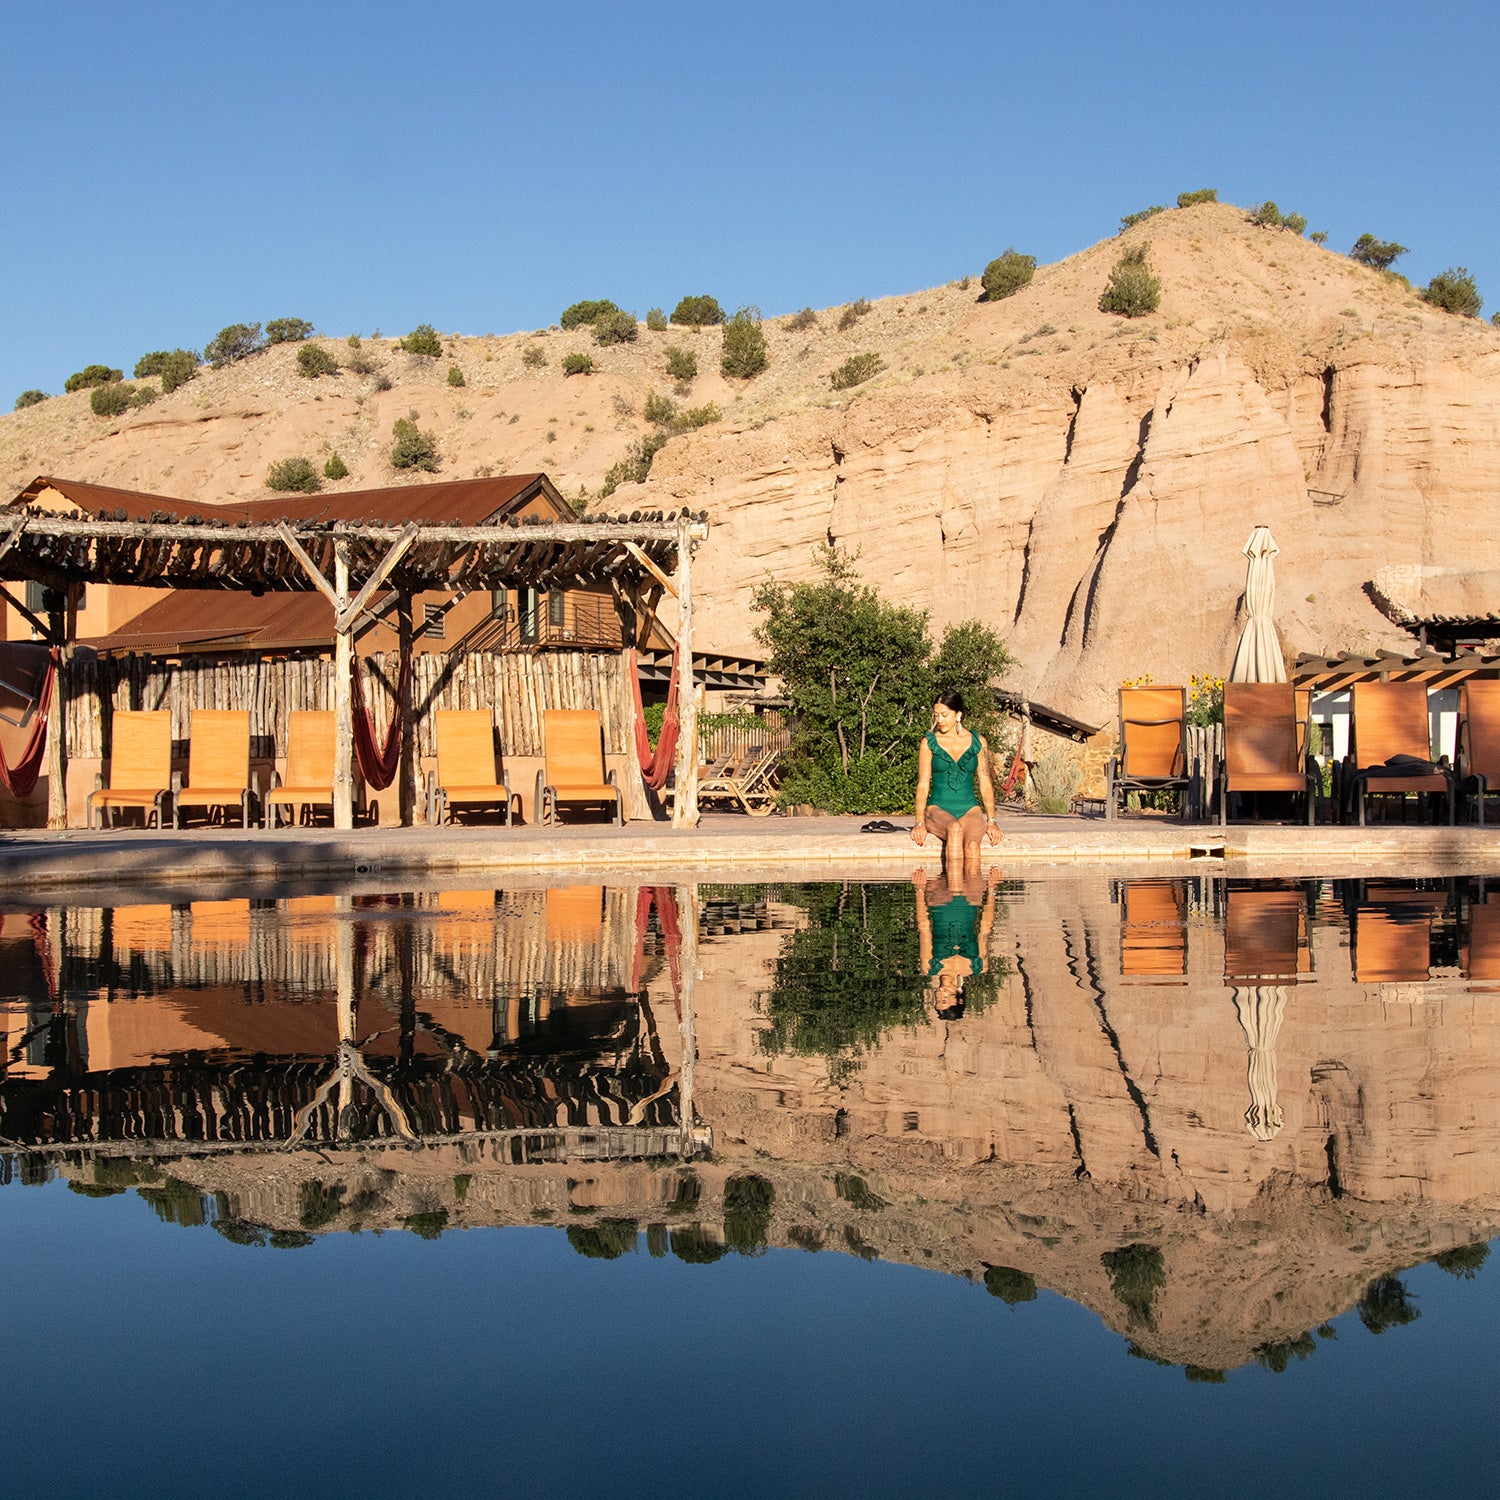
195 553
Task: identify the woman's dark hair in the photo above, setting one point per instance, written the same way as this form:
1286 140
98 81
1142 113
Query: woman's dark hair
952 700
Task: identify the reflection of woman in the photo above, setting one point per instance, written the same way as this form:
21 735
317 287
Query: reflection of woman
952 763
953 934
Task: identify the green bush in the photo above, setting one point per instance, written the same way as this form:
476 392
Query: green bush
1319 236
363 363
616 328
1007 274
455 376
314 360
1201 195
1132 290
577 364
1495 319
92 375
586 312
692 417
1266 214
1297 223
1129 221
635 466
1454 291
656 320
1005 1282
1379 255
682 364
29 398
534 356
698 312
235 342
353 341
111 399
855 370
744 354
288 330
423 340
143 395
335 468
660 409
293 476
177 368
856 310
800 322
1136 1275
413 449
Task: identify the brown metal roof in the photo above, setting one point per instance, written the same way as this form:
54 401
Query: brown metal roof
461 502
194 620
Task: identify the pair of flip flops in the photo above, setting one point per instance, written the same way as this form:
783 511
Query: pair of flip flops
882 825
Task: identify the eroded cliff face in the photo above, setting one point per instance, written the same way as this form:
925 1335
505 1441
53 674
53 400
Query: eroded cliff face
1081 482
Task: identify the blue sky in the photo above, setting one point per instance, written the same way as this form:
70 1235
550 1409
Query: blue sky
172 168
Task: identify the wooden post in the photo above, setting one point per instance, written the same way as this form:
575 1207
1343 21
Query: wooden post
687 922
62 624
685 801
407 775
343 704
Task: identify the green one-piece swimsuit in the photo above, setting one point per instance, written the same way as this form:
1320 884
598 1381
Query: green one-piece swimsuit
952 785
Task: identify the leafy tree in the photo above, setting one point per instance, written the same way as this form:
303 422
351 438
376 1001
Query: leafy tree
1129 221
455 376
1463 1262
855 370
744 354
616 328
861 678
29 398
695 1246
1136 1274
314 360
577 364
586 312
176 368
288 330
1319 236
698 312
1009 1285
1007 274
1297 223
235 342
335 468
1267 215
748 1199
682 364
1380 255
91 375
429 1225
1454 291
293 476
1386 1304
413 448
423 340
656 320
606 1239
1202 195
1132 290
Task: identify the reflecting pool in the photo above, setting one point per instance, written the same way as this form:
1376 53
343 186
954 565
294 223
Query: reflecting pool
1162 1185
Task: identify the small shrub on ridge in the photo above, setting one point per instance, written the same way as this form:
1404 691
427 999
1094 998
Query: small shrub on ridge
1007 274
335 468
577 364
92 375
455 376
1266 214
1454 291
110 399
1297 223
744 355
656 320
413 448
855 370
295 476
616 328
288 330
586 312
856 310
1379 255
1201 195
682 364
659 410
1129 221
698 312
801 321
29 398
1132 291
314 360
235 342
175 367
423 340
534 357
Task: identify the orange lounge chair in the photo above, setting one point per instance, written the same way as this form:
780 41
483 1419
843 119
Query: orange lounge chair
1265 935
1265 745
575 766
1153 930
465 775
218 764
1479 742
1153 752
310 756
1481 956
1390 745
1390 931
140 766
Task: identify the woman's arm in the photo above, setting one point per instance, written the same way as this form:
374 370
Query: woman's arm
924 785
924 923
987 790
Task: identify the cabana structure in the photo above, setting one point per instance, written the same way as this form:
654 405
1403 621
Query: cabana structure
358 566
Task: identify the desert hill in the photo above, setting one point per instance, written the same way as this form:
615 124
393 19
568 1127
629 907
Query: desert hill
1083 482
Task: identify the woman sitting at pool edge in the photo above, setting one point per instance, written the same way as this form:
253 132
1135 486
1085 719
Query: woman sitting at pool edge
952 763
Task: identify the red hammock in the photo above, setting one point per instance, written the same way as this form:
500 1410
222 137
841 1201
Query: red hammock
655 767
664 898
379 760
20 779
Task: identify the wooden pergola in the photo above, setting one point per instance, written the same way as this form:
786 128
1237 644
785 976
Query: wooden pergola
350 563
1332 674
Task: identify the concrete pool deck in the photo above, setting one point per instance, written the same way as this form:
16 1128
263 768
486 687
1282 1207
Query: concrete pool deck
724 847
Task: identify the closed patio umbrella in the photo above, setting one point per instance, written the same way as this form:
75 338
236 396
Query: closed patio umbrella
1260 1008
1257 657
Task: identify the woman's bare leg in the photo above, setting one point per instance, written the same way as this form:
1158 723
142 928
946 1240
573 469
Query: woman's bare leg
949 830
971 827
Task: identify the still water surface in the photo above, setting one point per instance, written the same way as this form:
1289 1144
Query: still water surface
1188 1186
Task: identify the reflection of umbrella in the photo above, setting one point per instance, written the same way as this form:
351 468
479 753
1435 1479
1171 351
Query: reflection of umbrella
1260 1008
1257 658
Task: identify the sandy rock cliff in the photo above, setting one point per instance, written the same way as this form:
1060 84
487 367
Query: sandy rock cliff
1082 482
